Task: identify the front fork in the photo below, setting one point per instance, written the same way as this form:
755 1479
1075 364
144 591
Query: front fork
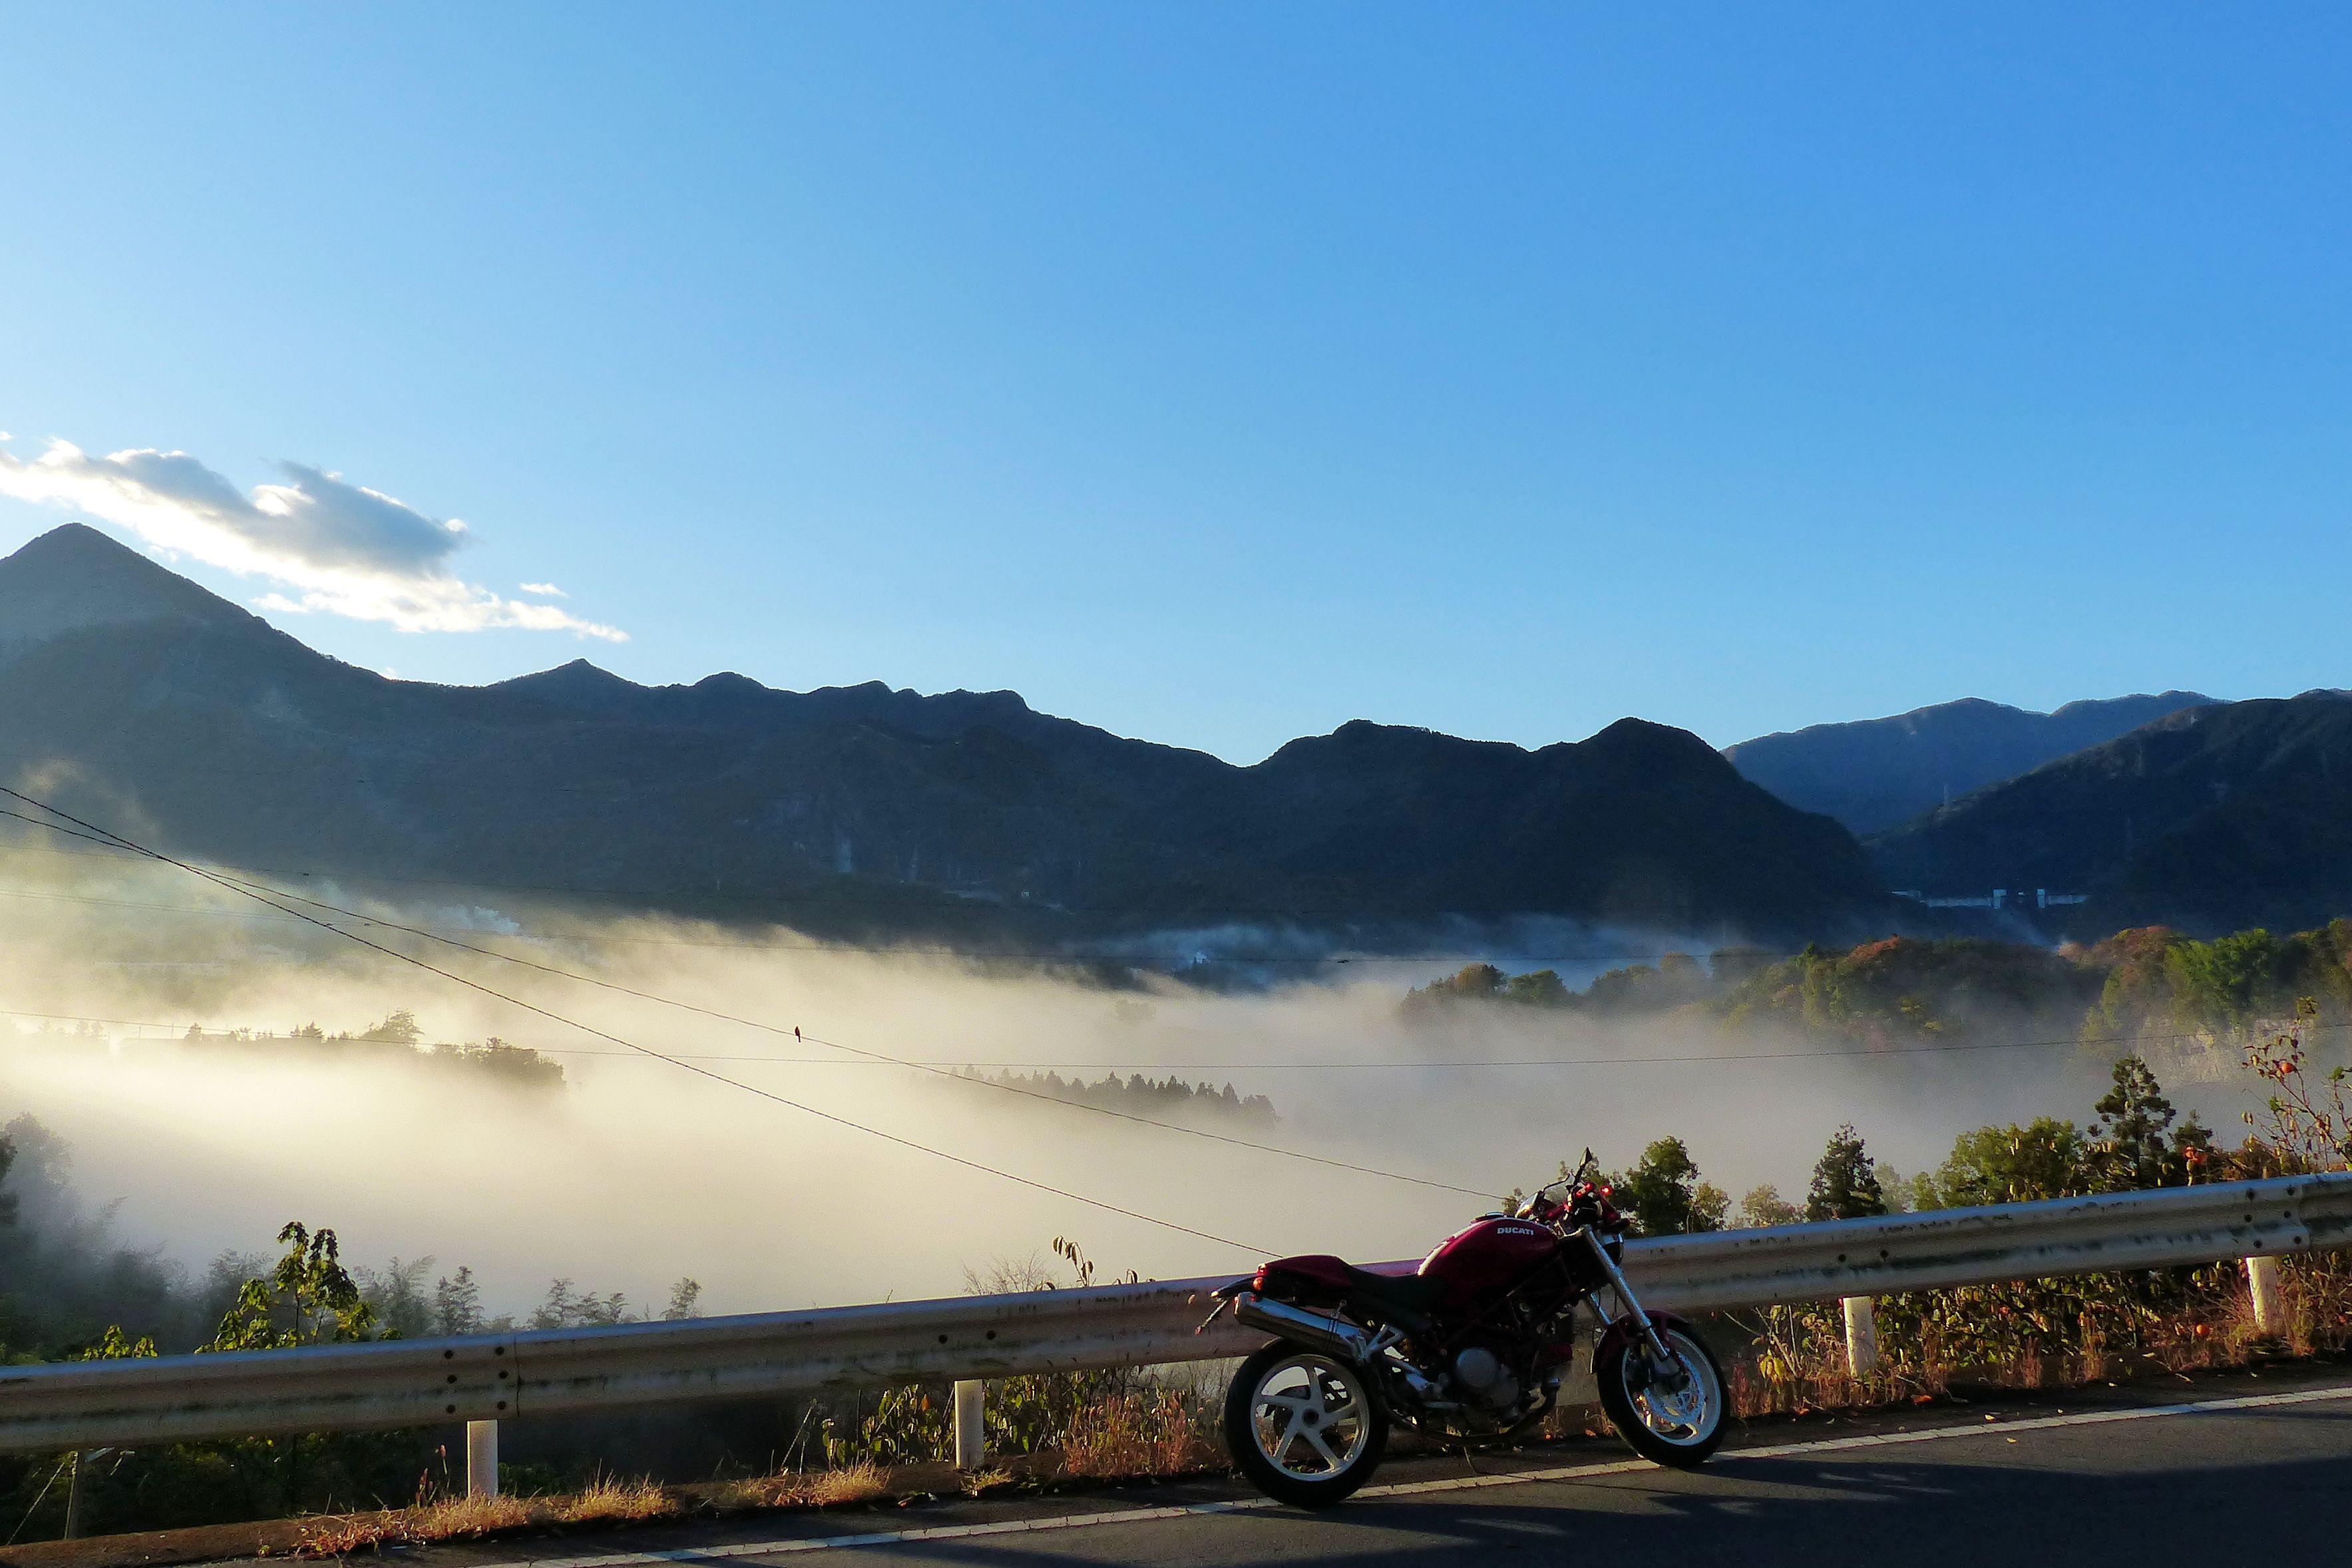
1661 1358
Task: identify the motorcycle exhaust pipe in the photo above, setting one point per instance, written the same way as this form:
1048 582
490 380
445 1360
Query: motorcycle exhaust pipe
1320 1329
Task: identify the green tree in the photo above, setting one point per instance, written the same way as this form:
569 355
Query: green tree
396 1294
1544 988
400 1028
1710 1207
456 1303
7 1200
307 1299
1663 1195
567 1308
1471 980
2132 1141
1765 1207
1818 987
116 1346
1905 1194
1845 1181
2046 1157
2222 984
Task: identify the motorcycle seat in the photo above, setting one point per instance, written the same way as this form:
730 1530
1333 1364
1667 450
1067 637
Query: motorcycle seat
1409 1295
1320 1280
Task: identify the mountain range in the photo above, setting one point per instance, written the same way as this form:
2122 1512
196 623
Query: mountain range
135 696
2215 817
1875 774
140 698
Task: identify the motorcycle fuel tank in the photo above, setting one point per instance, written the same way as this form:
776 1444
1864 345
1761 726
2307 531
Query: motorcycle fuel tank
1495 1254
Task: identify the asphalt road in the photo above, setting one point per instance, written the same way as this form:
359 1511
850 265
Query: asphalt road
2262 1471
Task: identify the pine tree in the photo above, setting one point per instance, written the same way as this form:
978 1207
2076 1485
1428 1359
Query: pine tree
1663 1195
1845 1182
458 1304
2133 1118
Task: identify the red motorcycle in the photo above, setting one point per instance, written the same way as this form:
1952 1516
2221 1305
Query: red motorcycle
1471 1349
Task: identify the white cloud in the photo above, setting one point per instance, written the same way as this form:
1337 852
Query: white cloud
338 548
545 590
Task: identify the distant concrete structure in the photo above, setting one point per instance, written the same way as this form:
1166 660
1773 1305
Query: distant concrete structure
1999 898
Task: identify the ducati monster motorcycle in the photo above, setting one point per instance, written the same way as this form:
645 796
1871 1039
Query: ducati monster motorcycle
1472 1348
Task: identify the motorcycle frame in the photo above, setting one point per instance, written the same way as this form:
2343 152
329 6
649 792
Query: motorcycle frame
1369 1345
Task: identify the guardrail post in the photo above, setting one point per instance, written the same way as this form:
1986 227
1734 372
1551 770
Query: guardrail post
971 1433
74 1496
481 1459
1860 1336
2269 1301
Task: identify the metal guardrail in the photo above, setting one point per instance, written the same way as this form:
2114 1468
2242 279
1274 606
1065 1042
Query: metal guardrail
2006 1241
492 1377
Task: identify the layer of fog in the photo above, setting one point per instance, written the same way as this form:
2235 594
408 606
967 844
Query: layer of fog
641 1172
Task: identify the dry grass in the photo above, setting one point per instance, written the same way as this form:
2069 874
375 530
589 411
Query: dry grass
450 1518
979 1483
606 1500
861 1482
1136 1435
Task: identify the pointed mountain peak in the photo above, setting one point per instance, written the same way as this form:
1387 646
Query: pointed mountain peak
578 673
74 577
577 685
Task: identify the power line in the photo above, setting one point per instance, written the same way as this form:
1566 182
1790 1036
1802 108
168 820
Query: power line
797 1036
647 1050
1456 1064
266 894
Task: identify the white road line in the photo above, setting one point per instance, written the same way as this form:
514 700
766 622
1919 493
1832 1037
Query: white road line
1418 1488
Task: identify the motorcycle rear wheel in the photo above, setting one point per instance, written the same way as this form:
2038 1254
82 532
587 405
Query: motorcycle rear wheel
1677 1427
1304 1426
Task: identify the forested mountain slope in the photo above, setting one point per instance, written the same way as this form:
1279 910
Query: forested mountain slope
145 699
1876 773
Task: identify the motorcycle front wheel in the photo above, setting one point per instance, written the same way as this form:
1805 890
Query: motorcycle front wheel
1304 1426
1669 1415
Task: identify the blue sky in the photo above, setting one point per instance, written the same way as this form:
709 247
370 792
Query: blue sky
1219 375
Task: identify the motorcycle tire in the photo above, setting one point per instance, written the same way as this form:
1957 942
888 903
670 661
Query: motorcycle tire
1304 1426
1678 1429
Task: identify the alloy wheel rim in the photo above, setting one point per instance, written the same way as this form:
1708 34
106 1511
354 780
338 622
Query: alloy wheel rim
1686 1416
1311 1417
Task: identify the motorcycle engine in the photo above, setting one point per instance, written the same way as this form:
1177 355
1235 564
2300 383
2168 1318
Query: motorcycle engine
1485 1381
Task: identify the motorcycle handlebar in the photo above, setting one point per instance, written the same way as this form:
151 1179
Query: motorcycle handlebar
1586 1203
